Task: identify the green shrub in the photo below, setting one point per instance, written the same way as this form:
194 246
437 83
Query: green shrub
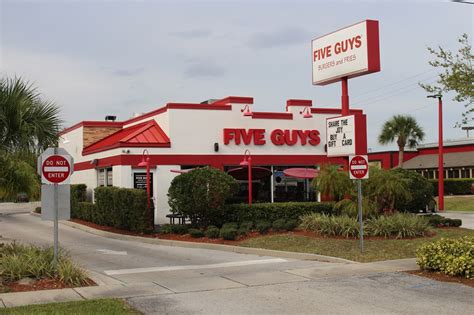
278 225
233 225
229 234
455 186
122 208
248 225
349 207
420 188
454 257
200 194
19 261
196 233
290 225
180 228
263 227
71 274
436 220
212 232
399 225
166 229
37 210
274 211
330 225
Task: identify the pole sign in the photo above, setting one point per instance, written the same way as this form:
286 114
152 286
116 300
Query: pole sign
340 136
358 167
56 169
350 52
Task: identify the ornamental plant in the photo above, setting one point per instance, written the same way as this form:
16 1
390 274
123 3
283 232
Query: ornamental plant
201 194
453 257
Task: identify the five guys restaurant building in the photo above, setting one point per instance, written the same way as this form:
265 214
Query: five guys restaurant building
182 136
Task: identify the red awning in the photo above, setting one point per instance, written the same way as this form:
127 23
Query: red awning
241 173
298 172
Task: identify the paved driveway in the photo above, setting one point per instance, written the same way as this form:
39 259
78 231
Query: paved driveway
175 280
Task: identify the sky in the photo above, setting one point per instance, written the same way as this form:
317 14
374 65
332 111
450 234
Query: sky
95 58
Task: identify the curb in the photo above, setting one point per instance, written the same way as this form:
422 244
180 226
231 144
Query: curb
221 247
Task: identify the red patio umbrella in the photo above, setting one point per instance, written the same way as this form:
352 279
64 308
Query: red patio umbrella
241 173
299 172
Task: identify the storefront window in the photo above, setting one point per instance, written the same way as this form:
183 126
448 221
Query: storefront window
290 188
105 177
465 173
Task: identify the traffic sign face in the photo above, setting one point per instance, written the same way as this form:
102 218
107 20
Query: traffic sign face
56 169
358 167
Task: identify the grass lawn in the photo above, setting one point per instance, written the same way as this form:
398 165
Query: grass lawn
458 203
102 306
375 250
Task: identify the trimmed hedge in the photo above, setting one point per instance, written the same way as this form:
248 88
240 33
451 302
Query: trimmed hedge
436 220
122 208
274 211
454 257
455 186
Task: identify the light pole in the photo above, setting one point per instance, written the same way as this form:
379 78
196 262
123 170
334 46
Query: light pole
248 162
440 152
146 163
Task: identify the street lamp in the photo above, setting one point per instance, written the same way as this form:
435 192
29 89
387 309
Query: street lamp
248 162
440 152
146 163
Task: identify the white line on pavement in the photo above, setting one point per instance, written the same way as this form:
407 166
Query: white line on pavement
111 252
194 267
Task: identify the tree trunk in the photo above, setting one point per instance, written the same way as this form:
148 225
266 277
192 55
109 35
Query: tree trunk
400 156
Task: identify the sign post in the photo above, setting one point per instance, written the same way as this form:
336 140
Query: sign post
55 166
358 170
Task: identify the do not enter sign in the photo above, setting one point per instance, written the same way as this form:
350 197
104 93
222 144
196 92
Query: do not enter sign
358 167
56 169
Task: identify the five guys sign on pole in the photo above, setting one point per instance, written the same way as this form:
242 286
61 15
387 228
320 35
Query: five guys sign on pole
347 53
55 166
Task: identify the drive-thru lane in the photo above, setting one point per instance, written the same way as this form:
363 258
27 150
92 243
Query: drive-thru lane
160 279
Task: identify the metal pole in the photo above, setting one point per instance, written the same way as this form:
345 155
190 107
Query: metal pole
440 156
345 97
359 205
272 185
56 227
250 179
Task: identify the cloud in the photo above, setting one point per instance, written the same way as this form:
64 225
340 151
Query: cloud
282 37
204 69
191 34
128 72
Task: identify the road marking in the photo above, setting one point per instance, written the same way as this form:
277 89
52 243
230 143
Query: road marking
111 252
195 267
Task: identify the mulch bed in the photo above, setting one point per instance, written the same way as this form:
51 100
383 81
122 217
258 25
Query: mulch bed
188 238
442 277
41 284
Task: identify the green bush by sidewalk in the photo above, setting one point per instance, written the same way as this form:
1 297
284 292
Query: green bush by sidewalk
454 186
122 208
274 211
449 256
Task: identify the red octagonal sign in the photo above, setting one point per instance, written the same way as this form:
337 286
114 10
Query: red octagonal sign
56 169
358 167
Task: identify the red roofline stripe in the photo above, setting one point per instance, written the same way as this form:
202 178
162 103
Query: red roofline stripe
295 102
234 100
269 115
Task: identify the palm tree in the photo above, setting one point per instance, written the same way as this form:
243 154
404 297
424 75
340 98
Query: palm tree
28 125
27 122
333 182
405 129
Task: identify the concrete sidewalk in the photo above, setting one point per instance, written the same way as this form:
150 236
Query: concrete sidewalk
112 288
466 217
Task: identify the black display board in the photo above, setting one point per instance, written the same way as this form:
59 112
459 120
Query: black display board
139 181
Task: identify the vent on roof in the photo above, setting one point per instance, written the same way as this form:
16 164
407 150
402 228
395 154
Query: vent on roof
209 101
110 118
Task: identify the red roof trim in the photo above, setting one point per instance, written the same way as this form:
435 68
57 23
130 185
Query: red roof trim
265 115
128 145
198 106
234 100
333 111
92 124
295 102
